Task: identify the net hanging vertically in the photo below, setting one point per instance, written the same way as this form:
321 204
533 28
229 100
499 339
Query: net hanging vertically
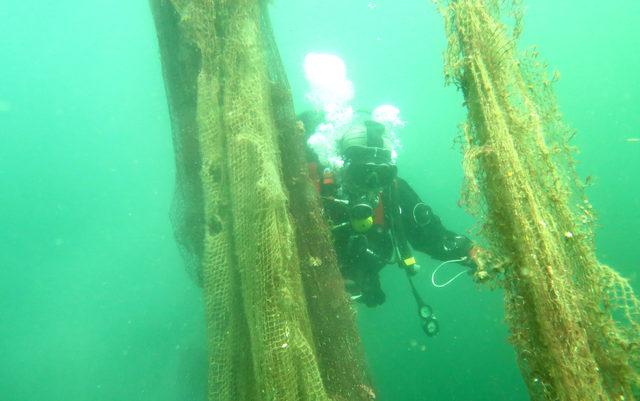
279 325
574 322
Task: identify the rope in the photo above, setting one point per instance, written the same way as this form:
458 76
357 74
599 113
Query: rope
433 275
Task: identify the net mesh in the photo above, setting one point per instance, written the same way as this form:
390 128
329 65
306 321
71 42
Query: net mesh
574 322
246 215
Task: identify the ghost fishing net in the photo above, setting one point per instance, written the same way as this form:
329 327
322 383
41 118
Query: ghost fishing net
575 323
246 216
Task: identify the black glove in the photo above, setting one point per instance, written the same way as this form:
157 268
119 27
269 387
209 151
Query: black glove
372 294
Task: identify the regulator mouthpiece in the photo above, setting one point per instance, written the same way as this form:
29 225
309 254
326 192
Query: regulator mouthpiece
361 217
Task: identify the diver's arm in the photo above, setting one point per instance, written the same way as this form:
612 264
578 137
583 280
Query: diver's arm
425 231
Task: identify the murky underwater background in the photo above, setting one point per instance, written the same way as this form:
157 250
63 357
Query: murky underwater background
94 302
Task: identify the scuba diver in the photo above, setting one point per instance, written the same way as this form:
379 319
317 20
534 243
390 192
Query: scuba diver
376 218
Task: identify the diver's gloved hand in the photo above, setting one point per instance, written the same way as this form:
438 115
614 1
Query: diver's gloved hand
476 260
372 294
365 288
471 260
373 297
473 254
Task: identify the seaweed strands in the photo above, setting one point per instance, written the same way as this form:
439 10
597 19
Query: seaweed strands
574 322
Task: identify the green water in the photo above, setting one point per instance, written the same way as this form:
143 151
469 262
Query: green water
94 302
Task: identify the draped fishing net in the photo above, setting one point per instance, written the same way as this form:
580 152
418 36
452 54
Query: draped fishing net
575 323
247 218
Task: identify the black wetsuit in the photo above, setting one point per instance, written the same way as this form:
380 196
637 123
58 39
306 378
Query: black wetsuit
363 255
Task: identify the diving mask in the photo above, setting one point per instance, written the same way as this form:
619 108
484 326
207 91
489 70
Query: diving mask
365 177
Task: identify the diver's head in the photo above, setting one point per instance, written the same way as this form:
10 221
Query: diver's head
367 155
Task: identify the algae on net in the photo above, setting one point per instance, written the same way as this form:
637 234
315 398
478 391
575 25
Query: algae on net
242 207
574 322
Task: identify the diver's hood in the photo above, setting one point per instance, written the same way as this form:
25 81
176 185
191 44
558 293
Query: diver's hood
366 142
